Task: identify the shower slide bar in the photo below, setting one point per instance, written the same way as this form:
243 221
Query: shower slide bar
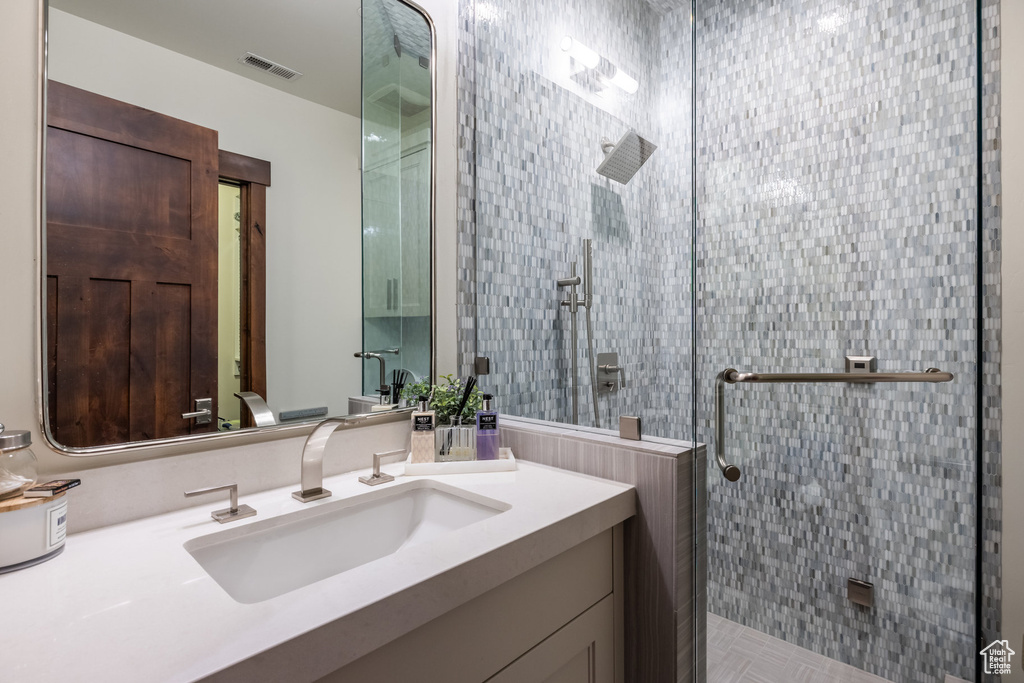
732 472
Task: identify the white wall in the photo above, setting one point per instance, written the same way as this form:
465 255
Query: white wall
313 208
1012 123
20 49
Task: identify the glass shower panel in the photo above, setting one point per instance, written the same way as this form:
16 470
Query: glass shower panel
397 54
836 200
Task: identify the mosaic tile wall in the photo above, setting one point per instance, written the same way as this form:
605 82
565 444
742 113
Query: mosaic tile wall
538 119
836 198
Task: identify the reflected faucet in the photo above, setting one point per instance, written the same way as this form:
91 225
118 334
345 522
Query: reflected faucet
262 415
384 389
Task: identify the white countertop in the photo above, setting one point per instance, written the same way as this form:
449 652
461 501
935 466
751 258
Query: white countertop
129 603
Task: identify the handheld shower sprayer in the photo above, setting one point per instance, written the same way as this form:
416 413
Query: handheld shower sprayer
573 303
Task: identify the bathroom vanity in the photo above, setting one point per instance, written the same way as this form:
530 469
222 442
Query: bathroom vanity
529 588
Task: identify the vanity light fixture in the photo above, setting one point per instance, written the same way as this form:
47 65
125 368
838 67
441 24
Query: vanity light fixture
592 60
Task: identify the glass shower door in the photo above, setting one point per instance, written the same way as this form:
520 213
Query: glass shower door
837 217
812 197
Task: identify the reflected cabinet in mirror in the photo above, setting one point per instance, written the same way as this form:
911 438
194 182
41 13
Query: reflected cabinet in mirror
238 215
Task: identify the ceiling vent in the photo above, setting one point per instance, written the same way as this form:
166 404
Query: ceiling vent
267 66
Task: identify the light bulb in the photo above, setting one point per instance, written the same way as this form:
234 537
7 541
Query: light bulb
580 52
625 81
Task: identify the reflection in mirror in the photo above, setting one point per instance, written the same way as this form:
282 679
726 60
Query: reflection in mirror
396 191
185 292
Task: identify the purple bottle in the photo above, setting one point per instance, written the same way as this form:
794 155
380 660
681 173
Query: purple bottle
487 431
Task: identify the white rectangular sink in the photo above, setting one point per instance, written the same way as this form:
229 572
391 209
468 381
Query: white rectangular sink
271 557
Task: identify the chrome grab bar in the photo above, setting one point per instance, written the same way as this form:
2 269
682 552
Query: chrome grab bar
732 376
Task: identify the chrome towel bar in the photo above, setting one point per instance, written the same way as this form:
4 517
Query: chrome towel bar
732 376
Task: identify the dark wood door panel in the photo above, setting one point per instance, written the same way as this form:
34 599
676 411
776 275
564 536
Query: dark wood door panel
132 270
92 366
160 358
74 109
99 184
173 360
85 251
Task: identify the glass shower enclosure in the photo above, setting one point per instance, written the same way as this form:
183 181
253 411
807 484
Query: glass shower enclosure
811 208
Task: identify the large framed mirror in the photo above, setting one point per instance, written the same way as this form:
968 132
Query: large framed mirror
238 216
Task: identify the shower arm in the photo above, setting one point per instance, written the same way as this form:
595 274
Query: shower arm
731 472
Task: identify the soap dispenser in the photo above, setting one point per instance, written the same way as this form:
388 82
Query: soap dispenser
422 440
487 439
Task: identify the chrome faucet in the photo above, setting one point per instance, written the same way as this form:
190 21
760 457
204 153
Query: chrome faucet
311 481
384 389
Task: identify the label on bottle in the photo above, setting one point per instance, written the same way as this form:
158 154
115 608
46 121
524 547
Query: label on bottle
488 423
423 423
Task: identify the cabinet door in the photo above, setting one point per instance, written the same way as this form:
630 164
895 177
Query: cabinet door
579 652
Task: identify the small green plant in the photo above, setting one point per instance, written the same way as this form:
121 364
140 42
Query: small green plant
446 397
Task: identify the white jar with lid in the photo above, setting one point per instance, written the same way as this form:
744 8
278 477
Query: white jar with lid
17 463
32 529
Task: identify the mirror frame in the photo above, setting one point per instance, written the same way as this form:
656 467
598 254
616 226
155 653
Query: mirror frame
218 439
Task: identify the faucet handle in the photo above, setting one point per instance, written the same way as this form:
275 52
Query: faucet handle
377 477
613 370
229 514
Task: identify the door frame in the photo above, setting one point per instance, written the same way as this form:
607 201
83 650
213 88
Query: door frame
252 175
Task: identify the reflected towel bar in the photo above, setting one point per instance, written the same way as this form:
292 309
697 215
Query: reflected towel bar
732 472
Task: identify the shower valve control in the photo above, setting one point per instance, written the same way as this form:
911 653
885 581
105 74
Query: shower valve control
610 375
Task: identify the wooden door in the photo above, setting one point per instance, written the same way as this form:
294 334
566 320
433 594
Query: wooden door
131 249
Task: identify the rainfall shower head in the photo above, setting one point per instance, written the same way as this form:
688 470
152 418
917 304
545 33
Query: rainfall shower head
626 157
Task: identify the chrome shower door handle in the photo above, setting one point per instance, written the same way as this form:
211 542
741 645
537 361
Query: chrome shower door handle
733 376
731 472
